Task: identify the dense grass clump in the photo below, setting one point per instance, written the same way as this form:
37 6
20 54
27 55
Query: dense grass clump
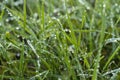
60 40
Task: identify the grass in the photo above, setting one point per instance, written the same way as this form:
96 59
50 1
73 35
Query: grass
60 40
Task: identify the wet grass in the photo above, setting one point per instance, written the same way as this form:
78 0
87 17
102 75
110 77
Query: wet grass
60 40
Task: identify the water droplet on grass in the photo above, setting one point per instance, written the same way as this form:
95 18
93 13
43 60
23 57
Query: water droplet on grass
6 0
81 1
116 4
19 2
59 79
104 5
18 56
88 8
67 31
17 28
7 20
0 24
112 40
9 13
35 15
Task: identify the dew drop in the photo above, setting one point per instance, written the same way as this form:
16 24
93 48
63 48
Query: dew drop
6 0
17 55
104 5
17 28
17 3
88 8
7 20
59 79
82 2
0 24
9 13
116 4
35 15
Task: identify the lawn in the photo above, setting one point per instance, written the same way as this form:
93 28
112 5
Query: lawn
59 40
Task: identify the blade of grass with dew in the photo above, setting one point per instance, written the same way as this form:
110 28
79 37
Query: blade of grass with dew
44 73
42 16
73 38
90 35
25 19
1 15
81 31
102 34
113 29
111 57
34 50
21 67
4 52
20 20
80 37
39 59
25 13
112 71
66 56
